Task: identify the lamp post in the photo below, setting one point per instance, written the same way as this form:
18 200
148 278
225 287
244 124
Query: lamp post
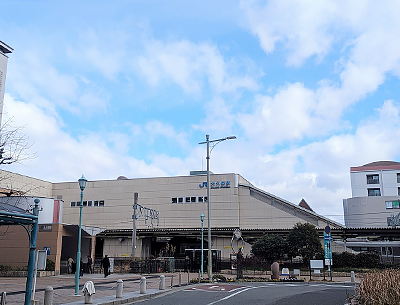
202 245
82 185
209 264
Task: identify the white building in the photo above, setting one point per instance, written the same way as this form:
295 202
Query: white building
4 49
375 195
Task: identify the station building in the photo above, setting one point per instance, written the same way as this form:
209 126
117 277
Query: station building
168 213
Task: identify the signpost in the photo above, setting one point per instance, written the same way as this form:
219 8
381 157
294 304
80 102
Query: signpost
327 248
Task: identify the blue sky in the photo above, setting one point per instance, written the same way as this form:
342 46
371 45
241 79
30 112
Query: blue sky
309 88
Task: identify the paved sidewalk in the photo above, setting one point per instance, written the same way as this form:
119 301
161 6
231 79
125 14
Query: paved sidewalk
64 287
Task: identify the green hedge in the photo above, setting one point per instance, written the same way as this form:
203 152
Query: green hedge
361 260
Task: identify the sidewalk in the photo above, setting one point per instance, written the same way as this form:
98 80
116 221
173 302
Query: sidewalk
64 287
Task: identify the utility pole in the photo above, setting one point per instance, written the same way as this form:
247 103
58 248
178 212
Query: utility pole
134 218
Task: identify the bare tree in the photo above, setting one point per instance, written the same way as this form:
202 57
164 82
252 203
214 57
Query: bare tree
14 148
14 145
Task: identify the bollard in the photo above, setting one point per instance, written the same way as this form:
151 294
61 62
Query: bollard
48 296
352 276
172 280
180 279
3 299
199 276
143 285
88 290
120 286
162 282
188 282
88 298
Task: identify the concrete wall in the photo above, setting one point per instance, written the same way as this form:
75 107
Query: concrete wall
367 212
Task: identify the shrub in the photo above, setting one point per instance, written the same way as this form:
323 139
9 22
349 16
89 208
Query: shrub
218 278
5 268
379 288
361 260
50 265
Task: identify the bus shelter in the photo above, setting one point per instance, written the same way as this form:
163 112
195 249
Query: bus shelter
12 215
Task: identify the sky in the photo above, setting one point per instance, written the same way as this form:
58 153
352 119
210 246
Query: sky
110 88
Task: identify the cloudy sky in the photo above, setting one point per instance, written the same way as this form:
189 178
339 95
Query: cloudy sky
110 88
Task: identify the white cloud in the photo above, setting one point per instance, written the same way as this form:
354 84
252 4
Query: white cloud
154 129
319 171
61 157
190 65
35 79
287 116
368 30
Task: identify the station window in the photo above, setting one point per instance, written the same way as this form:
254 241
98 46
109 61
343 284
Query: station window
101 203
373 179
398 177
205 199
187 199
200 199
192 199
85 203
174 200
374 192
89 203
73 203
96 203
180 200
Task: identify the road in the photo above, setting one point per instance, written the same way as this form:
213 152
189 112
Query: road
257 294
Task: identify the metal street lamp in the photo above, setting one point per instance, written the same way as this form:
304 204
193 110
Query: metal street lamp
209 264
82 185
202 245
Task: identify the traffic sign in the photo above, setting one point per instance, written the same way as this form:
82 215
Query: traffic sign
328 237
327 229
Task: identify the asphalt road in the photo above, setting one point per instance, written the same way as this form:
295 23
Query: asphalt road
257 294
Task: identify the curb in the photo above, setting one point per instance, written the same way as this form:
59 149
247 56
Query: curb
126 298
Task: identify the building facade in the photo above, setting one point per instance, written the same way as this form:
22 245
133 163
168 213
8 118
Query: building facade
168 214
375 195
4 50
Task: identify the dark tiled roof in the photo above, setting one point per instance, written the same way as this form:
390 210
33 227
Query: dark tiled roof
305 205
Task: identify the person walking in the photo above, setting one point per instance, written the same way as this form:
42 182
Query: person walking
70 261
106 265
89 263
81 271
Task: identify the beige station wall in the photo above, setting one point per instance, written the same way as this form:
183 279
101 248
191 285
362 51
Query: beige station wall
27 185
154 193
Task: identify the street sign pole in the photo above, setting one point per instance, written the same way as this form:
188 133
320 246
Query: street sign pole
328 248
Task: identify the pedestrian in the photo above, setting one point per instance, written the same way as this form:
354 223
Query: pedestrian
106 265
70 261
81 267
89 263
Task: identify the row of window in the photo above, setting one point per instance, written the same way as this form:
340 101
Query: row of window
374 179
90 203
191 199
394 204
377 192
